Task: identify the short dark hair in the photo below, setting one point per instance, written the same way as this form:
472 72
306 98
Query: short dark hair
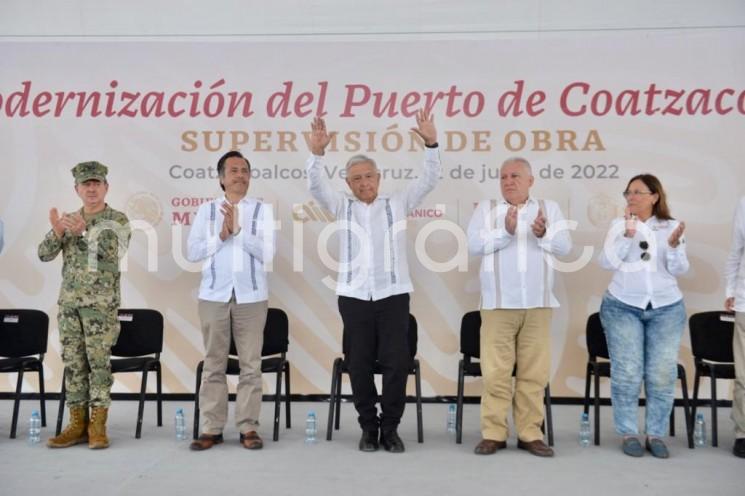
224 158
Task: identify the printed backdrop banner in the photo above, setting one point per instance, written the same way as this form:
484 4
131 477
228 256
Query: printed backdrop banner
588 111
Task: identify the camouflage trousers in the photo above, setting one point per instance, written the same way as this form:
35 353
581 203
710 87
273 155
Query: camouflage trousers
87 335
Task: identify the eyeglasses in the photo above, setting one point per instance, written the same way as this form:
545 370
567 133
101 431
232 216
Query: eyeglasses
626 194
645 254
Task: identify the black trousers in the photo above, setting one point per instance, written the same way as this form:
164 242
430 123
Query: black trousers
377 332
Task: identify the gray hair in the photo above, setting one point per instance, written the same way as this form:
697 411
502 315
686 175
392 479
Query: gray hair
358 159
519 160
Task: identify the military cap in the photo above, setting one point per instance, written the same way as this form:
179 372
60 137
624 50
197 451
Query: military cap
85 171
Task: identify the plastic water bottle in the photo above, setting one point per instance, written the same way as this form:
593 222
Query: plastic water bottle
34 428
699 431
584 430
310 428
180 424
451 418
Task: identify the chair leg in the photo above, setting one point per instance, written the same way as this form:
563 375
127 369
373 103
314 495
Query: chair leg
687 409
42 396
714 426
696 383
337 396
141 406
418 385
596 410
549 415
159 392
196 401
672 420
277 402
61 408
16 404
586 404
332 402
459 404
288 422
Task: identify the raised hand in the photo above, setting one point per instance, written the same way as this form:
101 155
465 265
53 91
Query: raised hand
510 220
425 127
676 235
539 224
630 231
729 304
319 137
57 222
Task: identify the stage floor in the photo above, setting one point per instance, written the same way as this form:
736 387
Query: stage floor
157 464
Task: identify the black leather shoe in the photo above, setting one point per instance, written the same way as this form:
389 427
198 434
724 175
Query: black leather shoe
739 448
391 442
369 441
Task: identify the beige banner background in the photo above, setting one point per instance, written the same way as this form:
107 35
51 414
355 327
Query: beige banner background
698 157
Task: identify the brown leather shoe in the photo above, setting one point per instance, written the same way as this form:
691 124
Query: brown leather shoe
205 441
251 440
489 447
537 447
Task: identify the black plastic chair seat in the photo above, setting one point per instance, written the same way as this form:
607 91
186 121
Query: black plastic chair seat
133 364
29 364
722 370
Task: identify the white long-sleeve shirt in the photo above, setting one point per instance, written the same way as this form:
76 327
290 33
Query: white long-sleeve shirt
372 237
514 271
734 269
238 263
637 282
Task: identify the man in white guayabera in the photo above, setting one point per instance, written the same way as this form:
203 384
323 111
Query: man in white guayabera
516 238
373 284
233 237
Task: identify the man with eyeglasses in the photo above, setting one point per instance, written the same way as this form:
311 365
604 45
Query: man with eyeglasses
734 272
373 284
92 241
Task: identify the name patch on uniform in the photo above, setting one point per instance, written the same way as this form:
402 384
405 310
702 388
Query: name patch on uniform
125 317
10 319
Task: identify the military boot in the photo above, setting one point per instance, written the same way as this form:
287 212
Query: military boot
76 431
97 428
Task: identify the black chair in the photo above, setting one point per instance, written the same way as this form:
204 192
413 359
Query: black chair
597 348
340 367
23 333
274 348
470 347
138 347
711 346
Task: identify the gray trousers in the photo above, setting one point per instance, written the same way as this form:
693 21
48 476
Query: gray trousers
738 398
247 321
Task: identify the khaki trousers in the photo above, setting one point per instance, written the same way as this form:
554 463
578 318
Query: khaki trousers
247 321
738 398
510 337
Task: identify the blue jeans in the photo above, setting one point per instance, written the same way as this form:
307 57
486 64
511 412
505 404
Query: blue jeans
643 344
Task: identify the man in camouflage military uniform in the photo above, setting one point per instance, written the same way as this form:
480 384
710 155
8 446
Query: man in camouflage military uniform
92 240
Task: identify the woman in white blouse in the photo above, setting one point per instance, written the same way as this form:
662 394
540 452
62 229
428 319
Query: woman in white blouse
642 312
